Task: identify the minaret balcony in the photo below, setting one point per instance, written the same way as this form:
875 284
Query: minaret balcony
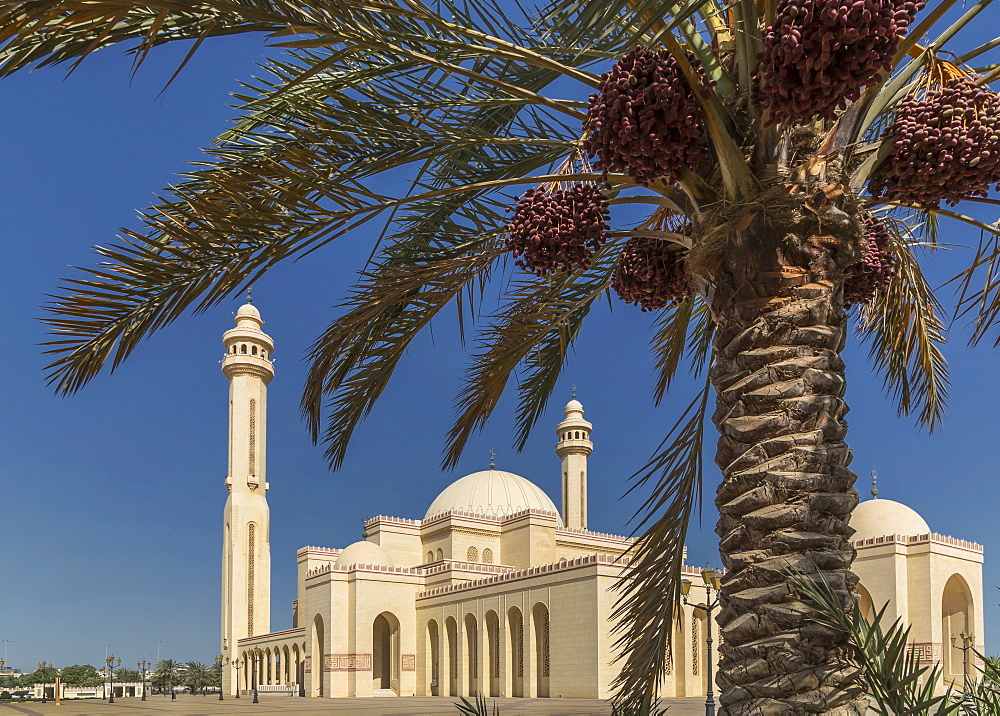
247 365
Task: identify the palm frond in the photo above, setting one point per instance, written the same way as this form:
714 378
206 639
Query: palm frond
905 334
979 286
354 358
535 315
648 601
680 329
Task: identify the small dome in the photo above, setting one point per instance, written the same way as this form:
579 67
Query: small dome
877 518
364 552
491 492
573 406
248 309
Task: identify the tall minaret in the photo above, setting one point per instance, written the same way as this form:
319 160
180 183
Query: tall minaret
246 549
573 447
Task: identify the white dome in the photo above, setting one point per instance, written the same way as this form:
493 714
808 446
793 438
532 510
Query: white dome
248 309
877 518
364 553
491 492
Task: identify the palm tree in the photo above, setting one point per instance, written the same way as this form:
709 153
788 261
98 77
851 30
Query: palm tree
806 157
166 674
196 676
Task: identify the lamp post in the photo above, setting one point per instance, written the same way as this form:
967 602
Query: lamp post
43 665
112 665
143 667
257 652
238 664
968 642
712 584
218 663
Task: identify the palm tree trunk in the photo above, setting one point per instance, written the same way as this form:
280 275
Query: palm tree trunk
787 492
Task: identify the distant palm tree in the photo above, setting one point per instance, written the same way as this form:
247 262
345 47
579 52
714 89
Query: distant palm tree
196 676
166 675
766 215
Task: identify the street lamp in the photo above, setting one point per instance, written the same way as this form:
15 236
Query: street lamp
143 667
257 652
43 665
712 585
218 663
112 665
968 642
238 664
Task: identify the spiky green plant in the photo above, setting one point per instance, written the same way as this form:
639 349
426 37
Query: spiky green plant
479 708
480 101
896 680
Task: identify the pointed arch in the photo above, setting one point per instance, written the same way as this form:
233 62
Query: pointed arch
493 672
385 652
433 658
515 650
451 627
540 620
472 653
865 602
956 617
316 657
680 660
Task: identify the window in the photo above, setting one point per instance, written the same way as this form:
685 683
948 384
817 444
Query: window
253 350
472 555
430 556
243 350
487 556
440 555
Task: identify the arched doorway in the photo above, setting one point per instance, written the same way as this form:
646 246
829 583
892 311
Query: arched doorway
472 652
493 651
297 669
515 647
434 658
956 616
699 650
540 619
451 626
865 603
385 652
316 657
680 663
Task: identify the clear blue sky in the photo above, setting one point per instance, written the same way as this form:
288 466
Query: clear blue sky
111 501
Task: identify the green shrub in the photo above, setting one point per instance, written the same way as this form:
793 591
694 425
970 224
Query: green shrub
4 696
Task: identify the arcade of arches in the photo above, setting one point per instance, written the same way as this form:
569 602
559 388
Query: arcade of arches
497 592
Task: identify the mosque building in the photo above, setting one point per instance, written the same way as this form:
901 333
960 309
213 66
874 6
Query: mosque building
495 590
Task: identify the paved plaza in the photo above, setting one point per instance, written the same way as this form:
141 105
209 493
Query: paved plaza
270 704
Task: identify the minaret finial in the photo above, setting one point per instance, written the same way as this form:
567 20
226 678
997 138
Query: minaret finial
574 392
874 485
249 294
493 454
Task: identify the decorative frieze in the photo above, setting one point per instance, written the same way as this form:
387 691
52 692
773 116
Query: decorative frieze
409 662
347 662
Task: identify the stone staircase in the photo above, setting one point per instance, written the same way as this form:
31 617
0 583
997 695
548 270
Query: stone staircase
384 692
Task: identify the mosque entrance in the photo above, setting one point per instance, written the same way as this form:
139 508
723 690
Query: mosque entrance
385 653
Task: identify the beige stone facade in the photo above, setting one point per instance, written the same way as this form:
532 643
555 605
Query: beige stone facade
493 591
929 581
